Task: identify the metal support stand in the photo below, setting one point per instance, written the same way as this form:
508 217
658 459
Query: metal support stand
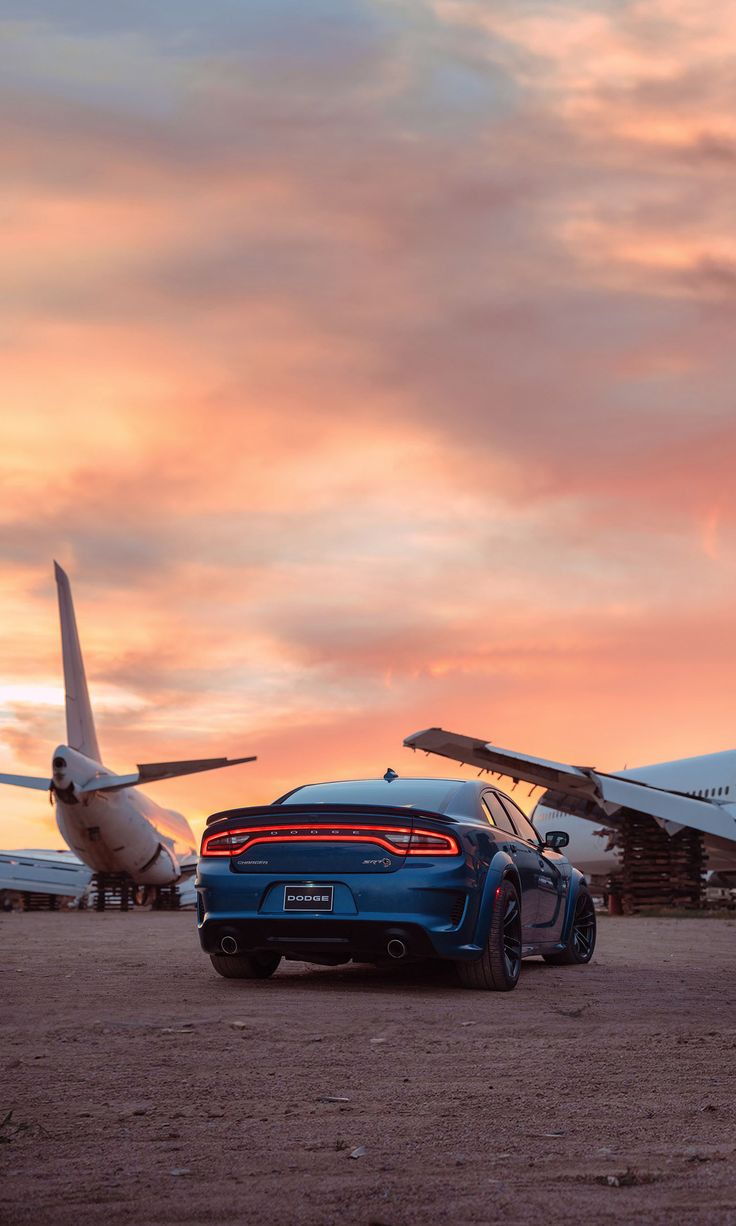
111 889
40 902
166 898
115 889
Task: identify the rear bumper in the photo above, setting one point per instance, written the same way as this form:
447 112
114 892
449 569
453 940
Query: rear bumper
343 940
433 909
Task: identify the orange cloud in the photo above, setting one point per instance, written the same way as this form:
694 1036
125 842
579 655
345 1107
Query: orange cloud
368 370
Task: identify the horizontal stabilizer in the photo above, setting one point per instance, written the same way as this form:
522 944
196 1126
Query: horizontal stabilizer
27 781
151 772
171 770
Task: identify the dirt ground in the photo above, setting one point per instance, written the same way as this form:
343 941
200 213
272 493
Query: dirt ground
145 1089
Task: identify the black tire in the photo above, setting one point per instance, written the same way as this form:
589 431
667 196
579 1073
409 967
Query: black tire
497 970
581 941
245 966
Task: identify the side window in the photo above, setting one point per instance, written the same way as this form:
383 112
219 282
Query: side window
487 811
523 825
497 814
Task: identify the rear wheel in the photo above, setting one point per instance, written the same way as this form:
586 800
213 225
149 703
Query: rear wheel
245 966
581 941
497 970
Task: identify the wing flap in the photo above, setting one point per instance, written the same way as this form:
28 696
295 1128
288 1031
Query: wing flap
615 793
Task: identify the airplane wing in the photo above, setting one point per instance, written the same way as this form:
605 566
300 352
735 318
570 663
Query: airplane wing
27 781
151 772
609 792
487 757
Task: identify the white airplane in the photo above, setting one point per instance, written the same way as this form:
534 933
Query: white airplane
113 828
699 793
44 876
47 874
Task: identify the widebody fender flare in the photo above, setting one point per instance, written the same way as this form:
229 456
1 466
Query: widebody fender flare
577 882
500 868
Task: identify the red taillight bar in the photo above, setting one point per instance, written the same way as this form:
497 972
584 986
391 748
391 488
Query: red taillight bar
412 842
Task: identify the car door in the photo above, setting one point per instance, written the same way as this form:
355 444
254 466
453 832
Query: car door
551 880
554 885
524 859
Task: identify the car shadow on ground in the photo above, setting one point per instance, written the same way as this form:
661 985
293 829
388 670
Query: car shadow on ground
434 976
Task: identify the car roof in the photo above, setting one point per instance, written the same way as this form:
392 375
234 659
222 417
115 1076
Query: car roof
441 795
460 799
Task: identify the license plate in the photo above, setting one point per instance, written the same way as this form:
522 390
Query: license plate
308 897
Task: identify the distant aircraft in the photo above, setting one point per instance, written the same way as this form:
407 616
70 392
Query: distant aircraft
42 876
699 793
45 875
122 835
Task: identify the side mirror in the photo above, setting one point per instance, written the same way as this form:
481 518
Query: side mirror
556 839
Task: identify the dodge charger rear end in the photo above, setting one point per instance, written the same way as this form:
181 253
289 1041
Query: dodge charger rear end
388 869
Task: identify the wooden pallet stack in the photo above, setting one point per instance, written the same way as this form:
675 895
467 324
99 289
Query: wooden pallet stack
40 902
659 870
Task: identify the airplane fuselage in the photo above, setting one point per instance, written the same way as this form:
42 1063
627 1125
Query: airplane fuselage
123 832
711 775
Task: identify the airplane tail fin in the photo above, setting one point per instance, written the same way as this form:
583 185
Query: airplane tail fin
80 725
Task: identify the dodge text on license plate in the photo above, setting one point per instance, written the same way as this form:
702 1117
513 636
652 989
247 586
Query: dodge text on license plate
308 897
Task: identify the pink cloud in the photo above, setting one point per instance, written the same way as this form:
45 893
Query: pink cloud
353 410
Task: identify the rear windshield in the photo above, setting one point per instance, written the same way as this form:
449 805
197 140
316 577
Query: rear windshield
412 793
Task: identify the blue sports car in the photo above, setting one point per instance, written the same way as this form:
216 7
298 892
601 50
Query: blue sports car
371 870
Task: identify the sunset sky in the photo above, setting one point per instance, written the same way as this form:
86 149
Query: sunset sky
369 365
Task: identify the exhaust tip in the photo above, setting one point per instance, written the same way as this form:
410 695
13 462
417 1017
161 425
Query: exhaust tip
396 948
229 945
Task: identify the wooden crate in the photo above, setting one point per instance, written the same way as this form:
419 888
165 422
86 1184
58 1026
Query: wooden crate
659 870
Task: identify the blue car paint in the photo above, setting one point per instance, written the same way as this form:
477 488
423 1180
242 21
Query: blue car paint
412 897
227 899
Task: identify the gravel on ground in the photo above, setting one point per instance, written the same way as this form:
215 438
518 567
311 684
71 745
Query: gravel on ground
139 1087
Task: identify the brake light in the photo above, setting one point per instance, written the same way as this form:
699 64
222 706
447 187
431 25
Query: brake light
223 844
392 838
423 843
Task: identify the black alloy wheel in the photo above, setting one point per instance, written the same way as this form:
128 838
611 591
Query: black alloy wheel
581 941
512 936
584 927
498 968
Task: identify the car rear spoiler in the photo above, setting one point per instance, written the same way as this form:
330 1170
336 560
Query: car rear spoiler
282 813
